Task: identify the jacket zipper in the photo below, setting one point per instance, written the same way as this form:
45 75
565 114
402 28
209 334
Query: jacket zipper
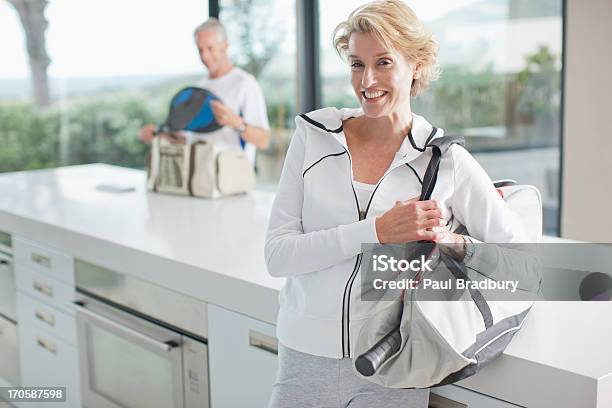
346 297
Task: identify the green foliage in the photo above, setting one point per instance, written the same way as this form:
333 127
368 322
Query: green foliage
28 139
105 130
101 129
539 81
462 99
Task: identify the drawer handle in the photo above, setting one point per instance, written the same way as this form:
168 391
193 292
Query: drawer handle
45 317
51 348
263 342
122 330
42 288
41 260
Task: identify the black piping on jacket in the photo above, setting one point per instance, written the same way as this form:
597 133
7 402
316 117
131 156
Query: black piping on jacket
324 157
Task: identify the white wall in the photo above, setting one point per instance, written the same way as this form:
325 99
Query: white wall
587 138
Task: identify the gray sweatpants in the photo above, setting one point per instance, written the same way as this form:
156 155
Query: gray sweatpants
305 380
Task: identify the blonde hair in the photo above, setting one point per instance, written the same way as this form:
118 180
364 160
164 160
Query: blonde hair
396 26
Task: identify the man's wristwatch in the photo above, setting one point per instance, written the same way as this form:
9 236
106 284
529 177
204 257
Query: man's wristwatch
242 128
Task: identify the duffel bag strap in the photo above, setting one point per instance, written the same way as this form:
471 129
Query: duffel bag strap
439 146
458 271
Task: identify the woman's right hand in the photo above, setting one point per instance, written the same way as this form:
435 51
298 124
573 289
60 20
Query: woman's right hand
410 220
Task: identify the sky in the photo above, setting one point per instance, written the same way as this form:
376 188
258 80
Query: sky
108 37
115 37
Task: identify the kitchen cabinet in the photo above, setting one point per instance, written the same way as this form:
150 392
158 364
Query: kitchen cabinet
46 318
9 351
48 349
242 359
9 362
48 361
37 257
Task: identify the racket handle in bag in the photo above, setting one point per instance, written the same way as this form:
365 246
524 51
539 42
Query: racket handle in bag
368 362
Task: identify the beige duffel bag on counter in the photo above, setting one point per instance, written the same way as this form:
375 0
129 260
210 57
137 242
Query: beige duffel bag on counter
200 169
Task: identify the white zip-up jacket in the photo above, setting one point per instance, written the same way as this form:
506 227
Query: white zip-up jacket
316 226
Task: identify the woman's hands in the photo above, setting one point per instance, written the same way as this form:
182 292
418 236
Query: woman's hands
410 220
415 220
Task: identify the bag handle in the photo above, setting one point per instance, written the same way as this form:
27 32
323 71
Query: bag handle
439 146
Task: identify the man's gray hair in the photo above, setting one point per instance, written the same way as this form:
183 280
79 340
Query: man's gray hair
214 25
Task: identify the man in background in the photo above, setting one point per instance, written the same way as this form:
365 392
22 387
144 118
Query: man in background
242 112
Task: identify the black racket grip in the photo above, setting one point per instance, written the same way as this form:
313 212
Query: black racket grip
368 362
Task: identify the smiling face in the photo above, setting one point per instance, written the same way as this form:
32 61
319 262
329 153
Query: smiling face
381 78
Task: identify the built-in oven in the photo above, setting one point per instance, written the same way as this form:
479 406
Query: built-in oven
9 346
129 357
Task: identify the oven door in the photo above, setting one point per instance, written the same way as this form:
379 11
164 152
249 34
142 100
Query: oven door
126 361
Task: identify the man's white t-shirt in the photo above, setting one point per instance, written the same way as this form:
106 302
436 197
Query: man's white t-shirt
239 91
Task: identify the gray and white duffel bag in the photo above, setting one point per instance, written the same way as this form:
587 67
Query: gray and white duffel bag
421 343
200 169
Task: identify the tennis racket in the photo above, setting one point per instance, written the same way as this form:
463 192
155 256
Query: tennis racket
190 109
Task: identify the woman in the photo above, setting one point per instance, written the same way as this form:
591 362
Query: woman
353 176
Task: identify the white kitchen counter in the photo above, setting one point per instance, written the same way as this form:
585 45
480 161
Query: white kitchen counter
213 250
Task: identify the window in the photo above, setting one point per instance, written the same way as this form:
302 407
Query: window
114 66
500 84
263 42
111 72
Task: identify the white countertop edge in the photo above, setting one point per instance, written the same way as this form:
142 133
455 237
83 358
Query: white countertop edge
604 392
538 386
233 294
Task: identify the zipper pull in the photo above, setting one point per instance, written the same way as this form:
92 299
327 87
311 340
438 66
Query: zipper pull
362 215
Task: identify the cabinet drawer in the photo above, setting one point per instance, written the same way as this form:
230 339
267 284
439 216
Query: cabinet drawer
242 359
458 397
46 289
46 318
47 361
46 260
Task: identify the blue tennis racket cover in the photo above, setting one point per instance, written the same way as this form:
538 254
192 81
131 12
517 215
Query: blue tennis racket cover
190 109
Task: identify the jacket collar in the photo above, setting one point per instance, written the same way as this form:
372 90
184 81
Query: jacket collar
329 121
